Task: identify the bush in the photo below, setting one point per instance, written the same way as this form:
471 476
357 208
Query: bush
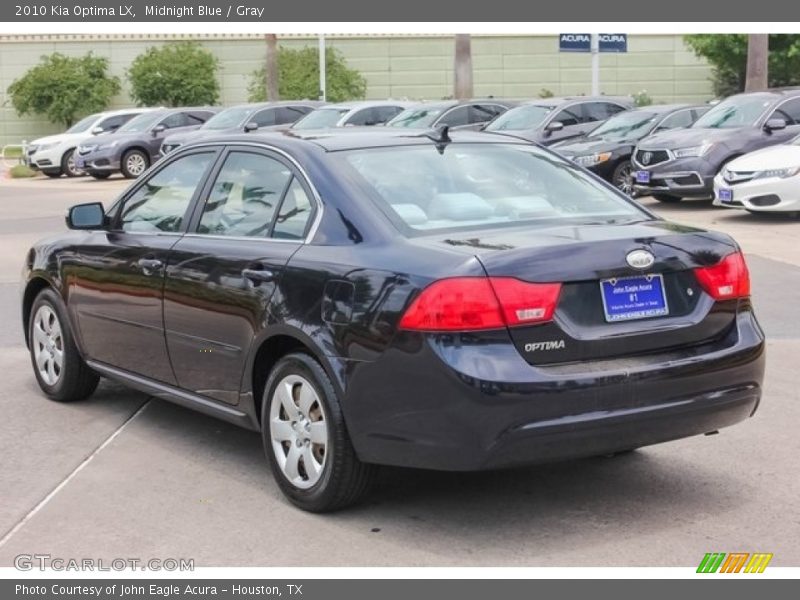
176 74
545 93
298 74
642 98
64 87
727 55
21 171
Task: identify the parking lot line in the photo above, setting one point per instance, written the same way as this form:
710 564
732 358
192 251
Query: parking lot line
44 501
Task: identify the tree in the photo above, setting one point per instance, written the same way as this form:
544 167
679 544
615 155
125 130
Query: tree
64 88
727 54
176 74
462 71
272 75
757 62
298 77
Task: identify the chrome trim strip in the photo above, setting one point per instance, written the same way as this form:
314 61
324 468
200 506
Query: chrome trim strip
242 238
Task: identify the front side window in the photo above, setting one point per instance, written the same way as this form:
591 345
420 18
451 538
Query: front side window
482 186
365 116
245 196
83 124
628 125
569 116
160 203
682 118
789 112
144 122
456 117
264 118
230 118
420 117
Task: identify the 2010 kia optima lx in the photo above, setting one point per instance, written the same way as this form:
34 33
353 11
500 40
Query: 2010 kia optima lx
458 303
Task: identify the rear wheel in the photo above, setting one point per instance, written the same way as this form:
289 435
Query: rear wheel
134 163
622 178
68 164
305 438
59 369
667 199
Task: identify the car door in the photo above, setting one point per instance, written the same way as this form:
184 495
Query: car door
222 276
116 287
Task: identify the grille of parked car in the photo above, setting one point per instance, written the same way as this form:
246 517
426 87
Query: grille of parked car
734 177
651 157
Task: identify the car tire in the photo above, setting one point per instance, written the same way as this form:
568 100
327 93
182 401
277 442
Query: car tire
53 174
100 175
134 163
68 167
302 422
622 177
667 199
60 371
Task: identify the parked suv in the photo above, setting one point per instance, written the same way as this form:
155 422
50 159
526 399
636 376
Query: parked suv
552 120
54 155
607 149
244 118
681 164
135 145
456 114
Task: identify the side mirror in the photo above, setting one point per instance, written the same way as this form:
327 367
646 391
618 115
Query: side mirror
554 126
774 125
251 126
97 130
91 215
160 128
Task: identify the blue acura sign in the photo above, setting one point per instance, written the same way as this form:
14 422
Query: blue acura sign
582 42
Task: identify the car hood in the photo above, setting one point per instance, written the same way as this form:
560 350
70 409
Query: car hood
783 156
586 146
58 138
686 138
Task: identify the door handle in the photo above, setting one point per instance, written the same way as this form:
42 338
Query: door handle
150 265
258 275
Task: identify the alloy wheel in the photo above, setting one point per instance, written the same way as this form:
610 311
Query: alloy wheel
48 349
299 431
135 164
623 179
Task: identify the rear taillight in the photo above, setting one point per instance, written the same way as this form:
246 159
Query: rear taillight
727 279
476 303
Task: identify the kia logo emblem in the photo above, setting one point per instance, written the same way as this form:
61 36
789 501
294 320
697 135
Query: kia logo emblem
640 259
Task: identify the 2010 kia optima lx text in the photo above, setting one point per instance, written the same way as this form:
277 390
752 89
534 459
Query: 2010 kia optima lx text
397 298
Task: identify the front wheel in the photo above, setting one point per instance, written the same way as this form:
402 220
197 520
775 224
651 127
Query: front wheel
59 369
305 438
134 163
622 178
68 164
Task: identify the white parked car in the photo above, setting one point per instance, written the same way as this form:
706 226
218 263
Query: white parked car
53 155
767 180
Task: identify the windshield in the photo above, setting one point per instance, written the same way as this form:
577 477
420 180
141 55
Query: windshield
528 116
143 122
230 118
83 124
739 111
321 118
416 117
634 124
481 186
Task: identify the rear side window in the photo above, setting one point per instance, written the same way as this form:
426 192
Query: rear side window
479 186
245 196
295 213
160 203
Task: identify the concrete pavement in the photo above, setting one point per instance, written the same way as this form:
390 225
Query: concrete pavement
173 483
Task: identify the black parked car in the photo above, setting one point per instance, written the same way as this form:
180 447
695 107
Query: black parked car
681 164
456 302
132 148
456 114
244 118
550 120
607 150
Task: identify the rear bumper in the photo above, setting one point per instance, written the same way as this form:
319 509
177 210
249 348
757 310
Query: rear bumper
440 403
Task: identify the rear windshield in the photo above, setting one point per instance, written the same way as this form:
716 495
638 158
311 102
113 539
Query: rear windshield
481 186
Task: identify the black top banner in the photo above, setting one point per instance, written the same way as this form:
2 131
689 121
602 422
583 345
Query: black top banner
220 11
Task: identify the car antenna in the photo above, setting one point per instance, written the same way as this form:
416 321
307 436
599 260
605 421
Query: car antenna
440 136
